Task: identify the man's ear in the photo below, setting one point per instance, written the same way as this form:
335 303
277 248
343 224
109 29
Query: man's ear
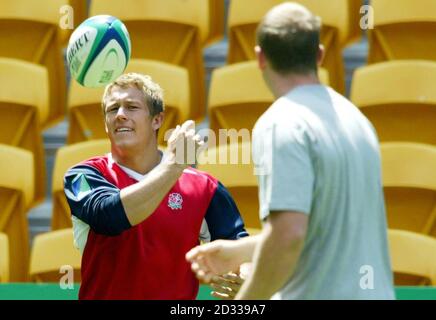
320 55
261 59
157 121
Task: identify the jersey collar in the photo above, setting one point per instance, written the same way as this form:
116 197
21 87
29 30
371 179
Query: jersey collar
133 174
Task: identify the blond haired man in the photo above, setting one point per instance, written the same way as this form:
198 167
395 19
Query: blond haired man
136 212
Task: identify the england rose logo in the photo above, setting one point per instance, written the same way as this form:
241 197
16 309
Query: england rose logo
175 201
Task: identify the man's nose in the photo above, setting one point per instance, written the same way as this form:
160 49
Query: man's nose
121 113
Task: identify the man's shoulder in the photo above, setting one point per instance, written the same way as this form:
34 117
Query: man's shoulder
281 111
99 163
96 161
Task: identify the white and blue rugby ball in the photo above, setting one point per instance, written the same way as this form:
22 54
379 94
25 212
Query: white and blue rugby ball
98 51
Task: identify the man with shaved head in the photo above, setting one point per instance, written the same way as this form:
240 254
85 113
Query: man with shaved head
317 158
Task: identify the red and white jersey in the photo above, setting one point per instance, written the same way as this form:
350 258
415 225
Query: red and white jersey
146 261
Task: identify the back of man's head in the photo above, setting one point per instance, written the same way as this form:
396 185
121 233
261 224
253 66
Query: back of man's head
289 37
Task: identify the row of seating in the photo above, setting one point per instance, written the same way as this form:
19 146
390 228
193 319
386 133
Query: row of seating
413 176
49 253
175 32
412 257
34 86
397 96
409 179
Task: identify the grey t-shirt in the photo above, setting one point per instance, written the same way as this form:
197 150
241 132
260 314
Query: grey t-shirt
315 153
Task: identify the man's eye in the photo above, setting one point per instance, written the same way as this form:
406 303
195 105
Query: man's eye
133 107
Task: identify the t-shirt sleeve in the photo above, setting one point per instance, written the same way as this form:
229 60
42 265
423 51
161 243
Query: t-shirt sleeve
95 201
223 218
285 170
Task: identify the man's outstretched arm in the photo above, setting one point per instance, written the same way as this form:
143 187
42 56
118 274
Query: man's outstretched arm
221 256
276 255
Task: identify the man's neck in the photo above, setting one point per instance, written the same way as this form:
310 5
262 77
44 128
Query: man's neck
282 84
141 162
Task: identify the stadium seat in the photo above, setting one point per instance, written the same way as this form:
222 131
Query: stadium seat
403 29
354 30
413 258
238 96
399 98
237 176
217 13
16 196
242 26
86 121
168 31
4 258
80 11
66 157
29 30
50 252
23 102
409 180
253 231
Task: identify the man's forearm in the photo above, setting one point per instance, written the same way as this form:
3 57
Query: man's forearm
273 264
141 199
246 247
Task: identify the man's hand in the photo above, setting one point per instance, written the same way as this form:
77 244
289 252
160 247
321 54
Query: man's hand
183 145
227 286
213 259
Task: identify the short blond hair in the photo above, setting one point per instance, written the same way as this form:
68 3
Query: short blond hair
153 93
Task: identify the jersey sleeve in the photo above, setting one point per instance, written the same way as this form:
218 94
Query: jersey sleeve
95 201
223 218
287 178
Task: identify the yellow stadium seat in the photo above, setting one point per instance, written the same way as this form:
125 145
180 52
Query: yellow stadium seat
403 29
399 98
354 16
4 258
24 101
237 175
409 180
80 11
413 258
67 157
16 196
86 120
239 96
242 26
50 252
168 31
29 30
253 231
216 10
